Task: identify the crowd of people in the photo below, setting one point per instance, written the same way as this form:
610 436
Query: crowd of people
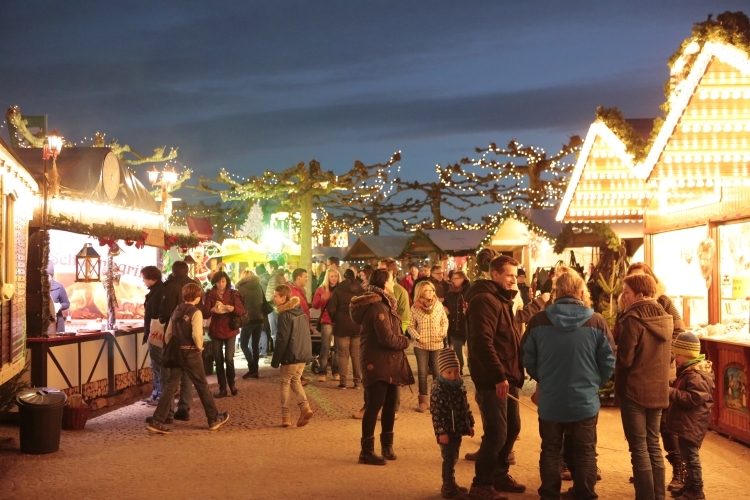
368 319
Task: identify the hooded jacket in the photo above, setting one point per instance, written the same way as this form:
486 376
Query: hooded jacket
456 303
251 294
219 327
293 342
690 402
568 350
382 343
276 278
338 308
644 350
173 295
493 341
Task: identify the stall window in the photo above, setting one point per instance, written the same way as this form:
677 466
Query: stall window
734 270
677 265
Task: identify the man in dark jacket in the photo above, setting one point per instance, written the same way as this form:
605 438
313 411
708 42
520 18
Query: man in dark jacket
496 370
345 329
169 302
293 351
252 295
642 379
151 276
568 350
436 278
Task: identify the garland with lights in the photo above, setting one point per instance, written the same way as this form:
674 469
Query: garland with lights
601 229
109 234
634 143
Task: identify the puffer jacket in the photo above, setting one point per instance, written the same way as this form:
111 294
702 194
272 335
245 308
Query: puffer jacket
320 303
451 413
456 303
219 327
382 343
338 308
690 402
251 293
293 341
494 342
644 350
277 278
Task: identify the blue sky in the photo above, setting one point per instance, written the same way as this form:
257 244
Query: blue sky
261 85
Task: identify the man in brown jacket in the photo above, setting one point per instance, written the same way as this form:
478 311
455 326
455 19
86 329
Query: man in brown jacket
642 380
495 360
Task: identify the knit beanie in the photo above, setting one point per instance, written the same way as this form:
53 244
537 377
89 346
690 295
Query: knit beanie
447 359
687 344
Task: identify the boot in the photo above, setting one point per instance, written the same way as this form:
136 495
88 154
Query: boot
305 414
452 490
660 476
678 475
222 393
359 414
386 445
367 455
424 403
286 421
693 494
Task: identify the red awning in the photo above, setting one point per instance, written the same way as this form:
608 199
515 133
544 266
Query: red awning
201 227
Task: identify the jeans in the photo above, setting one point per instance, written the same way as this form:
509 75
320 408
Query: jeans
458 346
690 453
423 358
273 322
379 395
290 378
192 368
224 354
641 426
580 450
671 445
348 346
449 452
501 422
326 335
251 333
154 353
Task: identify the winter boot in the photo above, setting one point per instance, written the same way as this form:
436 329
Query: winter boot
692 494
367 455
678 475
305 414
286 420
424 403
386 445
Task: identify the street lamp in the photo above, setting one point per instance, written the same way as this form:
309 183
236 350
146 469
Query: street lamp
52 147
169 178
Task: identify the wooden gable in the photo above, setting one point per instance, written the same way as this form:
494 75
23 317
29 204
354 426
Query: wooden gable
604 186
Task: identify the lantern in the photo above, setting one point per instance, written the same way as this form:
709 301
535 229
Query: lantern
190 261
88 265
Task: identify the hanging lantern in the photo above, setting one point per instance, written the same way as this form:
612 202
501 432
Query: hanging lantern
88 265
190 261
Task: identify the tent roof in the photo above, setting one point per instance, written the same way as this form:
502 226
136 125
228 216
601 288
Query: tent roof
456 241
377 247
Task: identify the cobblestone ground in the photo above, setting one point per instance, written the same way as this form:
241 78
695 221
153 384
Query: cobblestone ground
253 457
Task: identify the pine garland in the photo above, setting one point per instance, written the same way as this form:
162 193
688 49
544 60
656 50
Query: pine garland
634 143
565 239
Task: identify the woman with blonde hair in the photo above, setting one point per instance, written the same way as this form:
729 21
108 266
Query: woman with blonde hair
322 295
428 328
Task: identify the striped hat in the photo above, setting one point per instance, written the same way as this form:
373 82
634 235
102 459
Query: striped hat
687 344
447 359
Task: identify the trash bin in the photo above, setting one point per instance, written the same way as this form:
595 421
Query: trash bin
40 412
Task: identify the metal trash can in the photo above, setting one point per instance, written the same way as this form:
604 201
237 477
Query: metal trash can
40 412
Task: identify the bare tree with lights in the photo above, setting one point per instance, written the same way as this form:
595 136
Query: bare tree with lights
302 188
538 182
369 215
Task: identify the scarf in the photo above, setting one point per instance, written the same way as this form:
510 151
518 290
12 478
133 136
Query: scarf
424 305
694 361
451 383
387 296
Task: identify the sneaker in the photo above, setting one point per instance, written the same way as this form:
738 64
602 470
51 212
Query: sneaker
359 414
150 401
167 421
507 484
158 428
341 386
322 378
485 493
336 377
250 375
183 415
357 386
472 456
220 420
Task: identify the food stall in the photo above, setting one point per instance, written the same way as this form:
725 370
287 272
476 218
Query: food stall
98 202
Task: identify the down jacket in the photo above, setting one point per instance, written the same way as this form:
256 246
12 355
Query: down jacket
293 341
251 293
338 308
690 402
451 413
382 343
644 350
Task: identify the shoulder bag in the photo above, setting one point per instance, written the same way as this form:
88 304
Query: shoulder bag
266 308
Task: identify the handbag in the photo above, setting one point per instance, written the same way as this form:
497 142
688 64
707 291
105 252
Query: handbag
171 357
237 321
156 333
406 372
266 308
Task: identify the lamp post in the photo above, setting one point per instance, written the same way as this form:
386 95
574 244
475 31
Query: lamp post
52 147
166 179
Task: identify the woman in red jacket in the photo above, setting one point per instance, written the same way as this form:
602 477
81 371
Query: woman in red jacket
322 295
221 302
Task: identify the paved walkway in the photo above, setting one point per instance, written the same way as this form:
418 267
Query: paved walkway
253 457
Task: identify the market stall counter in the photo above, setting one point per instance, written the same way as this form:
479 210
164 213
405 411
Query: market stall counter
94 364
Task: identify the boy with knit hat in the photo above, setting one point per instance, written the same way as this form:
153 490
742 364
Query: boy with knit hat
451 418
690 401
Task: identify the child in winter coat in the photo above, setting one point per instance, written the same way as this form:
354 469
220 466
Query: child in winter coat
451 418
690 401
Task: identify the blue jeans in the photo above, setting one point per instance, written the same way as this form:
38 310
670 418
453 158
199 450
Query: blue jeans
690 453
326 334
641 426
224 355
449 452
192 369
501 422
424 358
249 343
273 322
458 347
154 353
162 373
580 451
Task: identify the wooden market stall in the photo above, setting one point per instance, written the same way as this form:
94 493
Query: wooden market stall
368 249
17 189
